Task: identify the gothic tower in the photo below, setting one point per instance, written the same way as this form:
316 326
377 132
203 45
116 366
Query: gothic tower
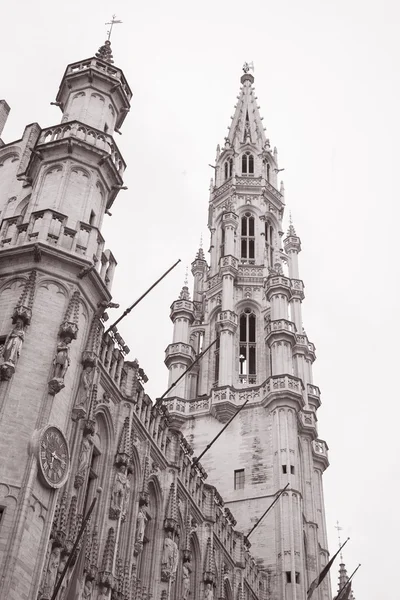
56 185
249 299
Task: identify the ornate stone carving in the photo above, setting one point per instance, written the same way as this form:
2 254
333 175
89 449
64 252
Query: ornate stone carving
51 572
120 494
12 350
83 398
208 592
61 363
83 462
170 556
186 571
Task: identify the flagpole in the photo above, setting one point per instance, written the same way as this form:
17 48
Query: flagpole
347 582
318 580
128 310
268 509
71 554
200 356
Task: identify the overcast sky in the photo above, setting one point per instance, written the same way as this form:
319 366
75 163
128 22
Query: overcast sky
327 80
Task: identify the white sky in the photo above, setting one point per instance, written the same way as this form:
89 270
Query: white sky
327 79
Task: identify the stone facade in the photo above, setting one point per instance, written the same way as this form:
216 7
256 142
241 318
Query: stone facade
247 304
76 425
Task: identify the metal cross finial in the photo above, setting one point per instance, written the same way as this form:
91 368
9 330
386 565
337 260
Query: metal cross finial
186 282
339 529
201 240
113 22
248 67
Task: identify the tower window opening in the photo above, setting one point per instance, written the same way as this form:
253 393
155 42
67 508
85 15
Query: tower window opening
105 127
288 577
239 479
269 243
291 469
247 348
200 342
1 513
247 164
92 217
228 168
284 469
297 575
222 247
268 170
248 239
216 360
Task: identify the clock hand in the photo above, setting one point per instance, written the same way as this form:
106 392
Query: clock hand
63 462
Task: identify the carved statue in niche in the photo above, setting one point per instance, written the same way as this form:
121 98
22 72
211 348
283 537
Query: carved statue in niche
169 557
186 570
52 570
61 363
141 522
209 592
86 382
12 350
83 462
61 360
120 494
87 590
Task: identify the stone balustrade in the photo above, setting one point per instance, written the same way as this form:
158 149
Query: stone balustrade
180 349
101 66
281 325
89 135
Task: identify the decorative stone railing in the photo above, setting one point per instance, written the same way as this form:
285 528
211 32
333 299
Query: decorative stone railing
281 325
320 449
250 181
89 135
273 190
103 67
213 281
180 350
247 271
228 261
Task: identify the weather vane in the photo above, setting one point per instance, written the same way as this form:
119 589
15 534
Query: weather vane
248 67
113 22
339 529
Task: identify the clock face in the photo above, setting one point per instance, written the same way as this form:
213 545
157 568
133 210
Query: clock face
53 457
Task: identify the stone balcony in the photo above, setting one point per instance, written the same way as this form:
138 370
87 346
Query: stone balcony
320 452
74 130
281 329
313 396
308 422
50 227
101 67
179 352
227 319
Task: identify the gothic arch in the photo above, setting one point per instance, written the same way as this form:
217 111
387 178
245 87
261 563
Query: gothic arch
195 578
228 589
21 207
149 560
13 153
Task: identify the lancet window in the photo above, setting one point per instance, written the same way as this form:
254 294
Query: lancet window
247 347
247 164
228 168
222 246
269 243
248 239
216 360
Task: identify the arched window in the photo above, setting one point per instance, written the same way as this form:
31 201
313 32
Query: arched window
269 243
228 168
247 163
247 347
248 239
216 360
222 246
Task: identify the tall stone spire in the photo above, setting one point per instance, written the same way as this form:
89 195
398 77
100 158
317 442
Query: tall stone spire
248 302
246 125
